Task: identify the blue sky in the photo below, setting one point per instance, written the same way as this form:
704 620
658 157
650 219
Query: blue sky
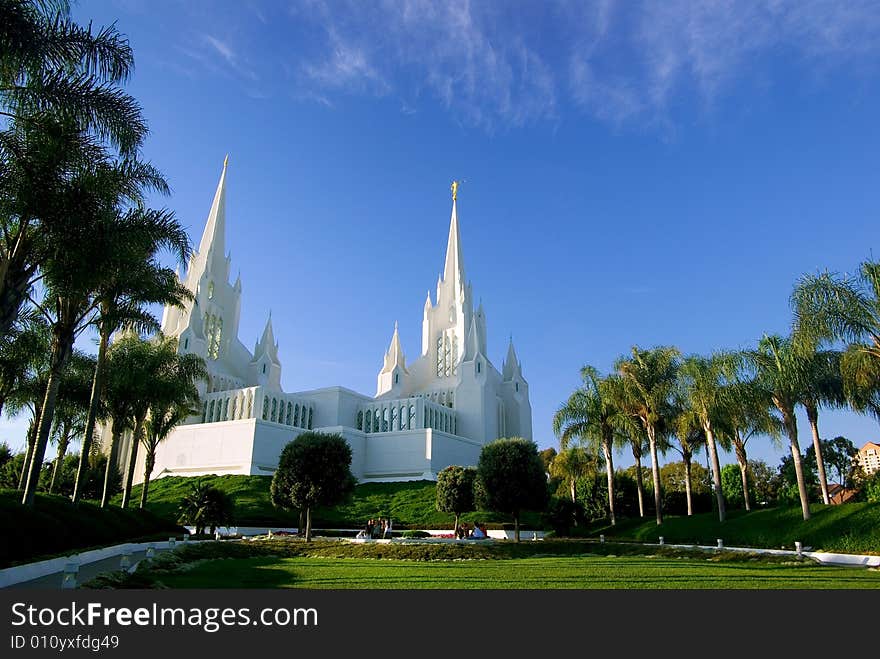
635 172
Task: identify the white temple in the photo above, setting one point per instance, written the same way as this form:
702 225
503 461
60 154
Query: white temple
436 411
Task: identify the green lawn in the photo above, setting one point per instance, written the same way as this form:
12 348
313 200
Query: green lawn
537 573
849 528
409 504
499 565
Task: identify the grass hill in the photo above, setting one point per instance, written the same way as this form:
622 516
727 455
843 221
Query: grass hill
55 526
850 528
409 504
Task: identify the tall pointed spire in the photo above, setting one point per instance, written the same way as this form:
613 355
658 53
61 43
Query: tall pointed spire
267 342
454 268
394 356
214 237
511 362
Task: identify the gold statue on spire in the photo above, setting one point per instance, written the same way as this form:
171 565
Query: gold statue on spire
454 189
226 161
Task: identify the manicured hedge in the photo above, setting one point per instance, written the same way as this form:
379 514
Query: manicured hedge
55 526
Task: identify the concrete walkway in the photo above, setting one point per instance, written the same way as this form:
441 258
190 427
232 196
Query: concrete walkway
86 565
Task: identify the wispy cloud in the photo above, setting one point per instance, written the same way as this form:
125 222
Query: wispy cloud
624 62
621 61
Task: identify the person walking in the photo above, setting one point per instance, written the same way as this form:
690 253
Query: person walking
386 532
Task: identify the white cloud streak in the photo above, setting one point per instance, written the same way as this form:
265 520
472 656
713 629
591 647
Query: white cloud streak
497 65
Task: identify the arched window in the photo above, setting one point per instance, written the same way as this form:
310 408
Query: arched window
412 417
211 291
186 343
394 418
264 369
289 413
265 409
296 420
360 420
440 356
250 402
384 419
204 411
455 355
403 417
211 413
447 358
397 378
377 421
478 367
517 386
310 418
274 409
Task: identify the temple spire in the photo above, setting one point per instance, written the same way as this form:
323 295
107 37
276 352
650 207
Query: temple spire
511 366
394 356
454 268
214 237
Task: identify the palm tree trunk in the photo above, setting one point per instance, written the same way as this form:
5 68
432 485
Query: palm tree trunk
455 530
132 460
31 438
63 442
791 429
609 475
61 348
655 473
687 484
114 442
716 470
813 418
308 523
516 527
149 463
15 277
571 489
743 462
94 400
640 488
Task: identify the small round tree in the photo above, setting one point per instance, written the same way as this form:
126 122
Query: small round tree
313 470
455 491
511 478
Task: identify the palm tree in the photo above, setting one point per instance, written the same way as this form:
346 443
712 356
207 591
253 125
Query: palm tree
50 65
637 438
592 414
174 396
649 377
137 280
59 87
780 373
830 307
571 464
702 382
689 436
70 411
205 506
823 387
130 365
746 413
78 264
21 353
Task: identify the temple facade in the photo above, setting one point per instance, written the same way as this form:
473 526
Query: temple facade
437 410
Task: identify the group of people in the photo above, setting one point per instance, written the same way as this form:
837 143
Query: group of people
477 533
376 529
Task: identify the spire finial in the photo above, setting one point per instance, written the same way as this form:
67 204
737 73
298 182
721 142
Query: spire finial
454 188
226 161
